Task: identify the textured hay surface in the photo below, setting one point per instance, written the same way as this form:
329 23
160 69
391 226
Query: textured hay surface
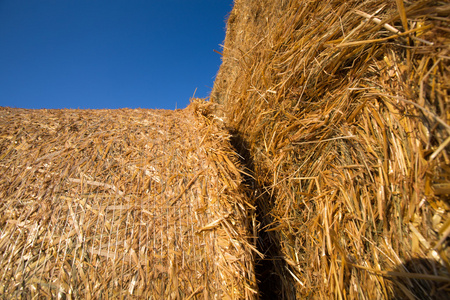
344 108
112 203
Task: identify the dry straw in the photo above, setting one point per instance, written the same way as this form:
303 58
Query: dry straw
344 109
122 203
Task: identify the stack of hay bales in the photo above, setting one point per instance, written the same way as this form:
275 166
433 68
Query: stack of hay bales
122 203
343 107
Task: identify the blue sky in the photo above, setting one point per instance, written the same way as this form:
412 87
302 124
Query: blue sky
109 53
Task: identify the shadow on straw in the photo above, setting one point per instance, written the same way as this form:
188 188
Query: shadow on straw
421 279
272 280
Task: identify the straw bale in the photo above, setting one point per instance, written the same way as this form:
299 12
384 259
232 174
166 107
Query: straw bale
343 107
122 203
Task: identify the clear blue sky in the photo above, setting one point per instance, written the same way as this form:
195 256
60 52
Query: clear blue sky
109 53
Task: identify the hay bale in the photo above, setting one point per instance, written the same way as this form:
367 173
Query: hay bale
122 203
344 109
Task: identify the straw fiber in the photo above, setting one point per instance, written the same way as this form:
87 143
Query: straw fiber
343 109
99 204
